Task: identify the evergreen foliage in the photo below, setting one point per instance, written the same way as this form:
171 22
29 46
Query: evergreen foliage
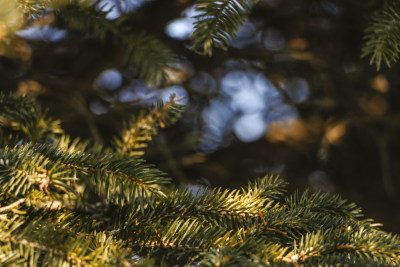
217 23
16 107
382 37
75 203
141 51
63 204
139 130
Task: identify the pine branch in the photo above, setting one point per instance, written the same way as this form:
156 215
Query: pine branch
28 168
21 171
39 128
348 247
84 17
187 235
221 218
148 56
139 131
263 254
68 145
17 107
13 205
382 37
248 216
33 7
25 123
42 243
216 208
121 180
324 203
51 193
143 52
217 23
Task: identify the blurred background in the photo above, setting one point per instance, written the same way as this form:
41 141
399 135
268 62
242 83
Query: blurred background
291 96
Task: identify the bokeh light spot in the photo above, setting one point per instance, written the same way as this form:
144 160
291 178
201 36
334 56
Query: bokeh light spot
250 127
109 79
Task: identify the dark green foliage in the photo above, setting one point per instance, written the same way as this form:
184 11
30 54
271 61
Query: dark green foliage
22 120
382 37
217 23
141 51
20 107
38 128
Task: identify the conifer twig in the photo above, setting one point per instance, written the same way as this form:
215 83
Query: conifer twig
12 205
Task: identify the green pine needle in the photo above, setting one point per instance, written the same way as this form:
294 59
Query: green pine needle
382 37
217 23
